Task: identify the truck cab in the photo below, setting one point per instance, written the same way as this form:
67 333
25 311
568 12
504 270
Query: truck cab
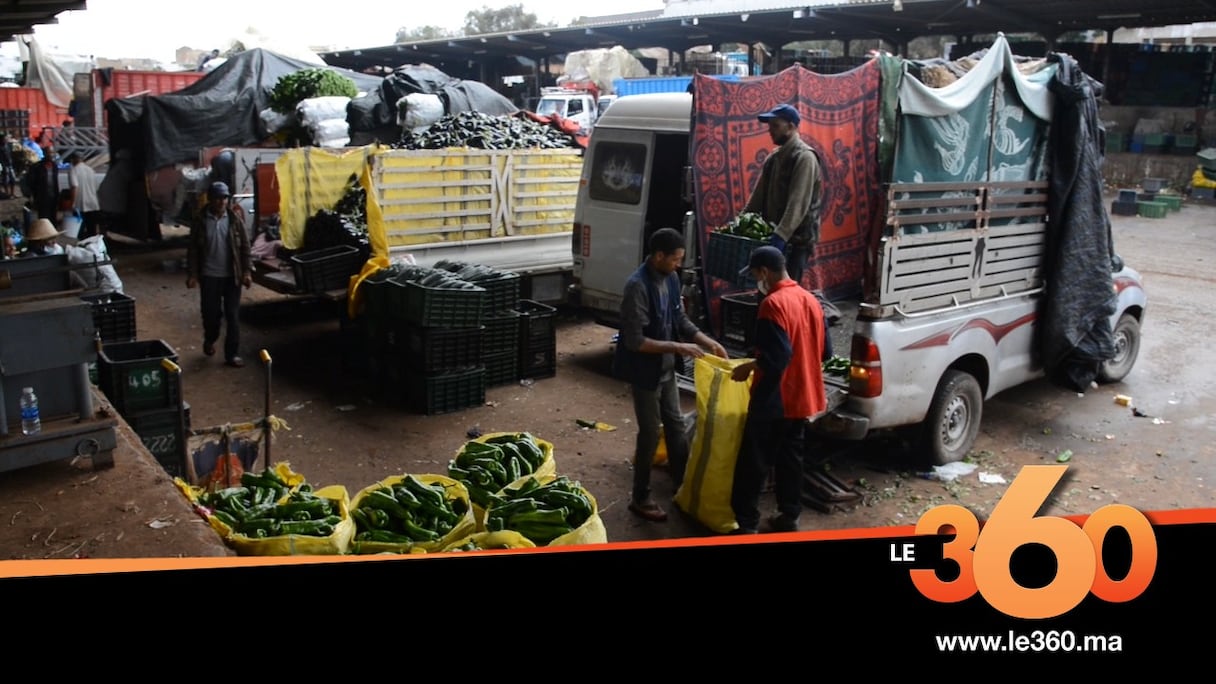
575 105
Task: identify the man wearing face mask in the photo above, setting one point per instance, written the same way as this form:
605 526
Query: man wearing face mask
789 192
787 390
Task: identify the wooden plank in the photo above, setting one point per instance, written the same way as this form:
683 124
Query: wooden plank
1015 213
438 199
1025 263
1029 275
901 205
931 219
1005 253
916 280
926 265
936 237
1017 239
903 253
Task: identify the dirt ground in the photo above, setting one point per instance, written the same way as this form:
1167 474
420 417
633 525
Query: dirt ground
340 430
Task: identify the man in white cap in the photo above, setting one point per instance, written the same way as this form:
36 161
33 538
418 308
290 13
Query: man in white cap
219 263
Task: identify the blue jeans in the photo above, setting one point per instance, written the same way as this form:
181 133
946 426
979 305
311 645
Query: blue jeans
221 304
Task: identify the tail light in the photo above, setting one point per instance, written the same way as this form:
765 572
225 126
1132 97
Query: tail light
865 375
576 240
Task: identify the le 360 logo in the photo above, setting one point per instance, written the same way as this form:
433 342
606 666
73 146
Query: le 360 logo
983 556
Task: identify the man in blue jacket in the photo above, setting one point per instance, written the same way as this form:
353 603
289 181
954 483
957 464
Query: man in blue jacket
654 330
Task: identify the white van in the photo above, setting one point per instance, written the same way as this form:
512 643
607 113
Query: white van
949 321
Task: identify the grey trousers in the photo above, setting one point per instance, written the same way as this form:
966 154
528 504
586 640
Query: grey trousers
657 409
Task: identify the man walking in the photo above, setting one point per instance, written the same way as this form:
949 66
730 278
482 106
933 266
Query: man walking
654 330
43 182
82 180
219 264
787 390
789 192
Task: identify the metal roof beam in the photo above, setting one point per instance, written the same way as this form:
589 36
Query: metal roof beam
1017 19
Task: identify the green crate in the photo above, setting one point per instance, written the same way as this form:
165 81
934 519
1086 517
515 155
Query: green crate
163 434
132 376
502 368
500 333
1153 209
1174 202
447 392
433 307
726 255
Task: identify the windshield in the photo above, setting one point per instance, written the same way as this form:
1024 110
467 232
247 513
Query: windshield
549 105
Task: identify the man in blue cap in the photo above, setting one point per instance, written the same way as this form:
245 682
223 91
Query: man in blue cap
787 390
219 263
789 192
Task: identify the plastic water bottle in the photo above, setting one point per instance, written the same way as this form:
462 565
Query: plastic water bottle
30 422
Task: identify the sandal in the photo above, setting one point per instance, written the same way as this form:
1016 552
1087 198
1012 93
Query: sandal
649 510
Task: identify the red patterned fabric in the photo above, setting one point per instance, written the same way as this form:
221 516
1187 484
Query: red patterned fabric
840 117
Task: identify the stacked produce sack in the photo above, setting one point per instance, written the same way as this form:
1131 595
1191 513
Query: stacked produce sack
276 513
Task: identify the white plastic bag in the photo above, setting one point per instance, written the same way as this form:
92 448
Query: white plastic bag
314 110
419 110
272 121
90 251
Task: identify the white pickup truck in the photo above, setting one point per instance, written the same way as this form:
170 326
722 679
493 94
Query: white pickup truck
960 283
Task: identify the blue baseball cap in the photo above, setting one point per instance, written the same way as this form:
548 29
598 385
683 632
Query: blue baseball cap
765 256
782 112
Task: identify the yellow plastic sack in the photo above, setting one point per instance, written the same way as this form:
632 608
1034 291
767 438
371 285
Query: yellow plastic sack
337 543
660 452
592 531
452 488
721 414
486 541
1198 180
547 467
354 301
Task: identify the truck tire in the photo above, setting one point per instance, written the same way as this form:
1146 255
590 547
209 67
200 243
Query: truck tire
954 416
1127 348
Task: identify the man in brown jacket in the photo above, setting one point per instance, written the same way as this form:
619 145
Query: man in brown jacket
219 264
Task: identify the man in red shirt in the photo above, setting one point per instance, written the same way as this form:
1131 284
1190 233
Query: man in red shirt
787 390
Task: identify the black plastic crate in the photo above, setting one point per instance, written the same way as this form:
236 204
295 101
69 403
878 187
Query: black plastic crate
326 269
163 434
538 361
536 322
502 368
739 318
500 333
726 255
113 316
133 379
502 293
446 392
436 307
435 350
1120 208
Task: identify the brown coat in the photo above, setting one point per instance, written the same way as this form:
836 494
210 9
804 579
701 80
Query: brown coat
238 241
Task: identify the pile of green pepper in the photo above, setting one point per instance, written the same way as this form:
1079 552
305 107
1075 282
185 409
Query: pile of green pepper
484 131
748 225
265 506
837 365
539 512
486 467
406 513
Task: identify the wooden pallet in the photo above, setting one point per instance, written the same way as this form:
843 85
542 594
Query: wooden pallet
827 494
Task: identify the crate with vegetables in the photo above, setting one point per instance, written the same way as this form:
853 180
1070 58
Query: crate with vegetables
730 246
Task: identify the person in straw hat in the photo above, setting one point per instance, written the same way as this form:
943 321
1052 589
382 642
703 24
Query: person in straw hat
41 239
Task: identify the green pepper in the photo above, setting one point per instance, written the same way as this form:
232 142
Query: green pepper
312 528
383 500
360 517
226 518
376 518
255 512
542 533
422 492
313 509
510 508
384 537
418 533
456 472
405 497
473 450
552 516
576 504
269 526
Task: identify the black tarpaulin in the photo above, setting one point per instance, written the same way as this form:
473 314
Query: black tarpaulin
220 109
1075 334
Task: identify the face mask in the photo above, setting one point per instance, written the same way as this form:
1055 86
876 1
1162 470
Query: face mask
762 286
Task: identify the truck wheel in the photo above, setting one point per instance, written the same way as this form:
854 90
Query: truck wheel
1127 348
954 418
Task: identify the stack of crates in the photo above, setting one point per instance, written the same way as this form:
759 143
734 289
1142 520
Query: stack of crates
148 396
15 122
426 345
500 351
114 319
537 340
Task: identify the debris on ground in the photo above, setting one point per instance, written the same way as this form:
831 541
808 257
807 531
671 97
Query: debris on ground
950 471
992 478
1065 456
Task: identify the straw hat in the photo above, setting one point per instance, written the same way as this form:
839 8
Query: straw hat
42 229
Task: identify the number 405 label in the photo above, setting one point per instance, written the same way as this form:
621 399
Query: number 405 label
984 559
